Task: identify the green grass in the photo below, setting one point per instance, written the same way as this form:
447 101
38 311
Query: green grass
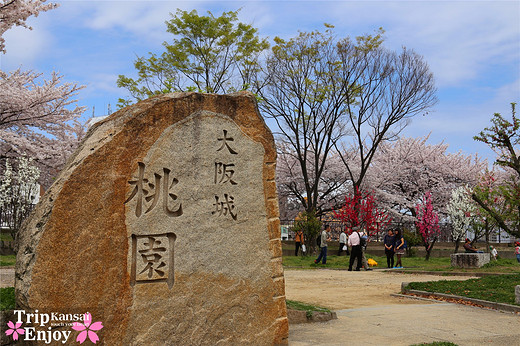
5 237
295 305
440 264
7 301
437 343
499 289
7 260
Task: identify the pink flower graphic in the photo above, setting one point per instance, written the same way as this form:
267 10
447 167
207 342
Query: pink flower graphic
87 329
14 329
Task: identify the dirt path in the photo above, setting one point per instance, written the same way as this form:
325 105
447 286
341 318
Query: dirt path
368 315
341 289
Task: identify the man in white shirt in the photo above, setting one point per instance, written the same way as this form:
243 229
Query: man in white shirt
342 242
354 240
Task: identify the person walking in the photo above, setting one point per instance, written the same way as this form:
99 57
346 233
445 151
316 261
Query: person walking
389 242
354 241
364 262
298 241
494 252
517 251
342 242
323 246
399 247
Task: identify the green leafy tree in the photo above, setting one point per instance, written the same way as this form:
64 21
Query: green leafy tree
207 54
311 227
504 138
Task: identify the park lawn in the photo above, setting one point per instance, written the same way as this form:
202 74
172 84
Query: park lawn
441 264
499 289
296 305
5 237
7 260
7 301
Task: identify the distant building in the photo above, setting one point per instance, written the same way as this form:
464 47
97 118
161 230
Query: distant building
94 120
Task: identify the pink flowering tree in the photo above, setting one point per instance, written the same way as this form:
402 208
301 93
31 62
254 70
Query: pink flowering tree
427 223
361 210
38 117
404 170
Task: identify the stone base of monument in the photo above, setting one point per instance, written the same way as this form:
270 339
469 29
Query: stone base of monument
469 260
517 294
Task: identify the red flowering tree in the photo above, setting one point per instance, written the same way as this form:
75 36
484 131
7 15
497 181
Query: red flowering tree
427 223
361 210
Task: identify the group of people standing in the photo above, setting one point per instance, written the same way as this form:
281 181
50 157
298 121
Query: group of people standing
394 245
357 241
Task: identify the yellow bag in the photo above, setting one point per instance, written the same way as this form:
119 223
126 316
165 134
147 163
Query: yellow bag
371 262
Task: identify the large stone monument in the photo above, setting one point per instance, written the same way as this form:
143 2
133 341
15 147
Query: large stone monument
164 226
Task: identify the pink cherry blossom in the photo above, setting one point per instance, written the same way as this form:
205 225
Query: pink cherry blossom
14 330
38 117
87 329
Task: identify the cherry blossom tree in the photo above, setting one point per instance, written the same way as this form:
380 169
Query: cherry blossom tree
38 117
18 191
330 188
461 210
404 170
427 223
360 209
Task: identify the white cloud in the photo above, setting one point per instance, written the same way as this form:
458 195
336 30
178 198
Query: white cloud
459 39
145 20
24 47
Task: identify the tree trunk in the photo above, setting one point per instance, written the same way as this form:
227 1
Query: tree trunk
456 246
487 235
429 248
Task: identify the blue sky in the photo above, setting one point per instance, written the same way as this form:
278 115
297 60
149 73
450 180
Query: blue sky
472 47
